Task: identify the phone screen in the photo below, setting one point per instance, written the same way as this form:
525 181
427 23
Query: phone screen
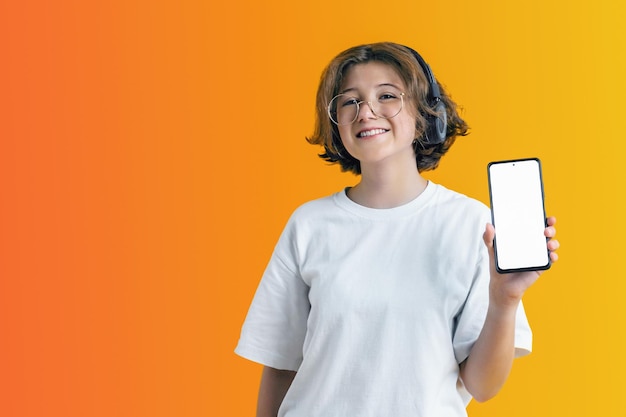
518 215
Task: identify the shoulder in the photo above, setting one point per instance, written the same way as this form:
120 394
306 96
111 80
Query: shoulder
460 212
310 216
455 201
306 221
315 209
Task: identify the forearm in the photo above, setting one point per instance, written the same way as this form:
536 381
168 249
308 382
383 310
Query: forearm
491 358
274 386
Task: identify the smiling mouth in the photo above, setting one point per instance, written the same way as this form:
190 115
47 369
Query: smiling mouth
372 132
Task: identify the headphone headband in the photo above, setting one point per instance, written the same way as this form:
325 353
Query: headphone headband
436 129
433 87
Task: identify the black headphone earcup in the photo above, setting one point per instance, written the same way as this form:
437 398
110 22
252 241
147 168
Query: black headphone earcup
437 125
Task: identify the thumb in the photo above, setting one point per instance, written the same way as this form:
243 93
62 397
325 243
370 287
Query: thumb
488 236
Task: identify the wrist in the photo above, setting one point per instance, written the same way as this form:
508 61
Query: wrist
503 311
503 297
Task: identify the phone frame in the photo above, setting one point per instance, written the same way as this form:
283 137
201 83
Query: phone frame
521 269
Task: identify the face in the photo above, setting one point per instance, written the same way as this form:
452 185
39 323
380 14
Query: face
371 139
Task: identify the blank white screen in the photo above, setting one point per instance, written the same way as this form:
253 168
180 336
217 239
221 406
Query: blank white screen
518 214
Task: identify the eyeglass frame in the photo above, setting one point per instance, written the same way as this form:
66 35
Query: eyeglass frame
358 109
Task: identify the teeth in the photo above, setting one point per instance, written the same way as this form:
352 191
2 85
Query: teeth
371 132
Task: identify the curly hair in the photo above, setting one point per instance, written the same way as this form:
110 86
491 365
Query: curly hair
402 60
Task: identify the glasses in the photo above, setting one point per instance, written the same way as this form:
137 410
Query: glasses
343 109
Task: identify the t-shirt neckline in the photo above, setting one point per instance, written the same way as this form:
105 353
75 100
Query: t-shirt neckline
342 200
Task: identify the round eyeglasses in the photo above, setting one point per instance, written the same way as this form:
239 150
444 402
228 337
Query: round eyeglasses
343 109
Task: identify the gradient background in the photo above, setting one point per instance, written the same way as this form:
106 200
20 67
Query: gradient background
151 152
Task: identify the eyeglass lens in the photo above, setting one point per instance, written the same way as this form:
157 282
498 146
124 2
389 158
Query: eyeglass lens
343 109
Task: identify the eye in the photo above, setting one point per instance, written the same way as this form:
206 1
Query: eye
349 101
387 97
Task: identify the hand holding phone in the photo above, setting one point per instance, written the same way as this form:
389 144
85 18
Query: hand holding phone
518 215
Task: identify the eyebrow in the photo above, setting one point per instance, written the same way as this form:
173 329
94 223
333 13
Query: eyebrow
378 86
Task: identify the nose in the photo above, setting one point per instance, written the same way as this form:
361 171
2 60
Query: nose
366 111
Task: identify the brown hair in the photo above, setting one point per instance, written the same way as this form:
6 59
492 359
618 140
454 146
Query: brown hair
405 64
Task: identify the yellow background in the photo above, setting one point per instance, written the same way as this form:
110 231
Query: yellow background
151 152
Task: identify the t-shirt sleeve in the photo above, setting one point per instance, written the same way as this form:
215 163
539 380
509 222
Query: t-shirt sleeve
472 317
274 330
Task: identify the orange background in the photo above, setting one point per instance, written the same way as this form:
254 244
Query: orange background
151 152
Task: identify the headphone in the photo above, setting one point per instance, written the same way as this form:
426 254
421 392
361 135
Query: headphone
436 126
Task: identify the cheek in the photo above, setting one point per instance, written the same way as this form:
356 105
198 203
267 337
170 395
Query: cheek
345 132
408 122
408 128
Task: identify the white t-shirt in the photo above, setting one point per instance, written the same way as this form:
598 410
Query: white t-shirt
375 308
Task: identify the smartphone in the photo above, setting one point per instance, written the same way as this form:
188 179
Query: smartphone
518 215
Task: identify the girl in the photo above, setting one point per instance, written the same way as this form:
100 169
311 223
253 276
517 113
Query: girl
383 299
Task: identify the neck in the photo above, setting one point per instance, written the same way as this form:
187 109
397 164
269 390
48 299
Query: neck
387 188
